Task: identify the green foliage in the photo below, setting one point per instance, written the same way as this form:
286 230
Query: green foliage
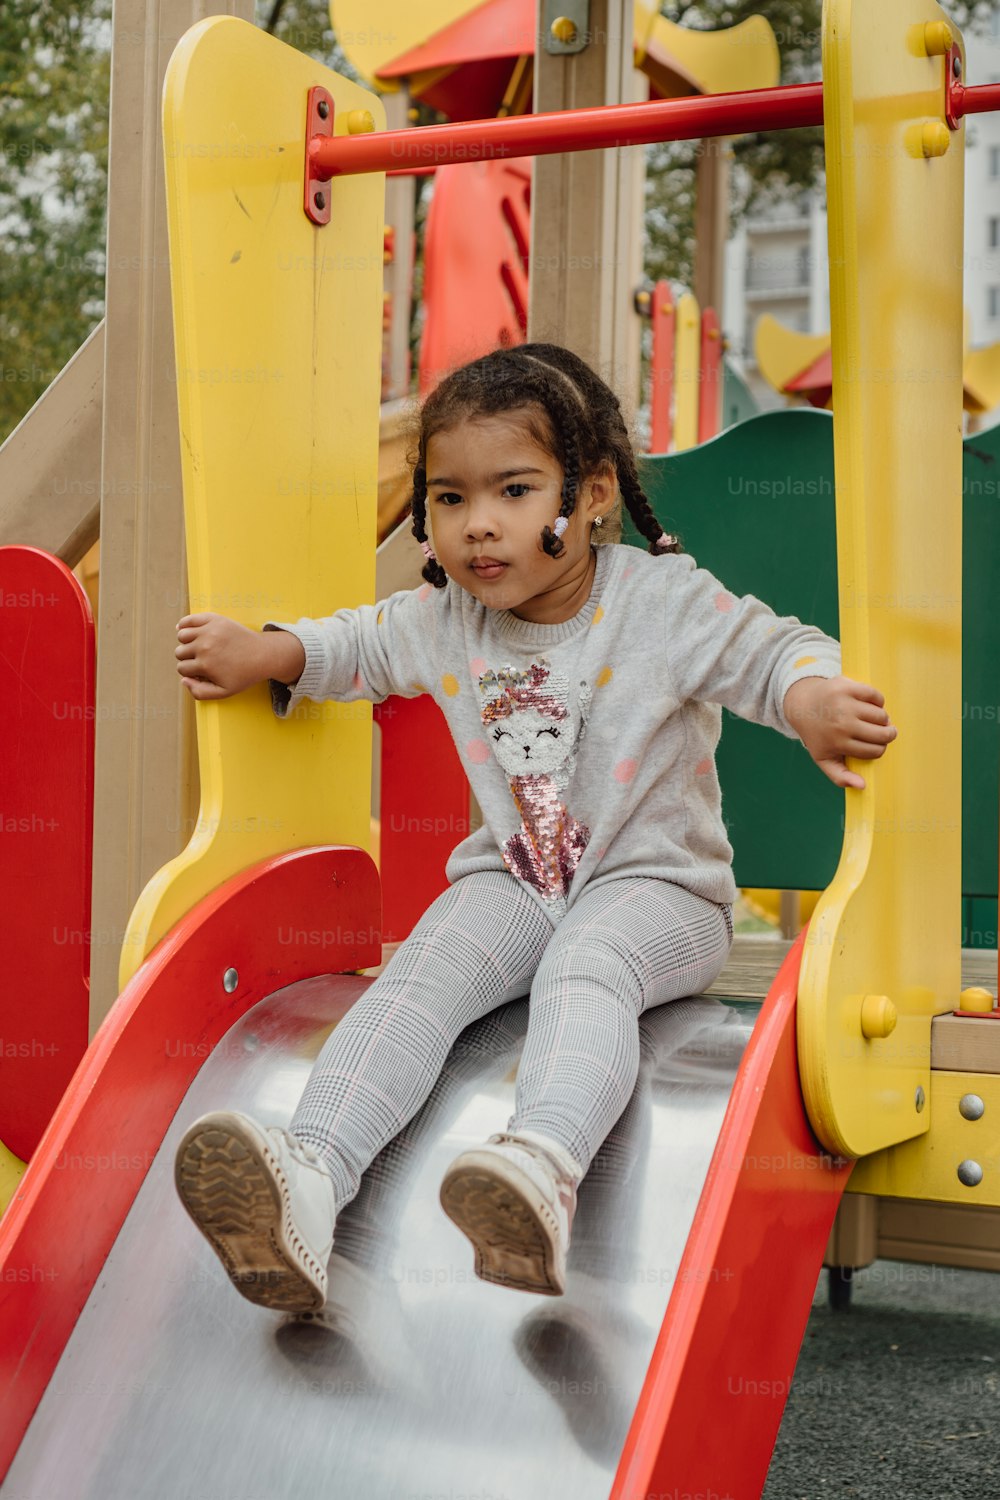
771 166
54 128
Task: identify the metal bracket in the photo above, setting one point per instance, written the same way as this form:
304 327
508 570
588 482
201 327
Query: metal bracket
565 25
319 122
953 83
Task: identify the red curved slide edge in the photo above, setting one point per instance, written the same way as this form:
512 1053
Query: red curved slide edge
708 1416
99 1145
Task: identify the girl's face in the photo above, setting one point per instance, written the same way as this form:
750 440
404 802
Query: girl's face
490 490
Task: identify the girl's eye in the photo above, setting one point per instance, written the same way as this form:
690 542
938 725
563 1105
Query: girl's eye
522 488
539 732
449 499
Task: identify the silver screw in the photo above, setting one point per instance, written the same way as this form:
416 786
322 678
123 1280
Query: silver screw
970 1173
230 980
919 1098
971 1107
956 65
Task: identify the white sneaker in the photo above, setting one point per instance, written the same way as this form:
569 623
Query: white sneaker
265 1203
515 1198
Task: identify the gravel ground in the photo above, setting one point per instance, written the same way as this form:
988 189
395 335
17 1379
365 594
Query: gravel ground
899 1396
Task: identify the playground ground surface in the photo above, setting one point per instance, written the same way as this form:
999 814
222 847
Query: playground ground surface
898 1396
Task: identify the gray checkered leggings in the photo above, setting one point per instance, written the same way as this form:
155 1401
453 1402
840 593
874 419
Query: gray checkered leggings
622 948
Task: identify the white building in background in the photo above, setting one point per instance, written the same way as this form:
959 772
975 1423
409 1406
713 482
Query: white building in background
780 265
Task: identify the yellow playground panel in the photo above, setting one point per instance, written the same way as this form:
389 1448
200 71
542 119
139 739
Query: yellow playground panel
279 451
882 954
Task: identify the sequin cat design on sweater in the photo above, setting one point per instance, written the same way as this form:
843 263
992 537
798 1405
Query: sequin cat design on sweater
535 740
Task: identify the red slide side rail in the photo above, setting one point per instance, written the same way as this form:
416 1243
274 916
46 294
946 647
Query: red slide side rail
710 1408
101 1141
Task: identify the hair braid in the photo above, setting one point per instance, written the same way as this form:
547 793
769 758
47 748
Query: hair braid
636 499
432 570
564 414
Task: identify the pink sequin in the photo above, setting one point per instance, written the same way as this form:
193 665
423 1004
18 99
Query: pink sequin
549 847
625 770
478 752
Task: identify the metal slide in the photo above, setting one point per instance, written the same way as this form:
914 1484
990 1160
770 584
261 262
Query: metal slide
430 1382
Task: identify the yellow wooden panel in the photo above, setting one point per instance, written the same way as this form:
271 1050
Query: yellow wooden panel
687 372
11 1172
889 924
782 353
278 328
927 1167
728 60
373 35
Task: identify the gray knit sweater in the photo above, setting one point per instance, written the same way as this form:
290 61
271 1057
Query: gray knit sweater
590 745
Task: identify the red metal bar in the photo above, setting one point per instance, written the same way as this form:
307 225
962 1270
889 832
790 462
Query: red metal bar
785 108
570 130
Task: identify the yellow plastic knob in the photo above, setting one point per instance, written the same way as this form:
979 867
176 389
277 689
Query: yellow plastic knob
878 1016
937 38
975 999
935 138
563 29
360 121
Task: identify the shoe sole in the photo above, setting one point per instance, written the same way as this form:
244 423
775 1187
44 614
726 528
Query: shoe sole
512 1229
236 1193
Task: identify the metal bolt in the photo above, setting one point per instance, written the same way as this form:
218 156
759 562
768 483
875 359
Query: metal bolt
970 1173
971 1107
230 980
956 65
319 199
323 109
919 1099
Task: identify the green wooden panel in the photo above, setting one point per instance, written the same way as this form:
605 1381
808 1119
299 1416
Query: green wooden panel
738 404
756 506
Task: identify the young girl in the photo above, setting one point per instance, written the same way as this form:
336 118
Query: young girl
582 685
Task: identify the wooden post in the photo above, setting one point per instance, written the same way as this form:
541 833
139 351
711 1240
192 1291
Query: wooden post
586 208
399 213
712 222
145 783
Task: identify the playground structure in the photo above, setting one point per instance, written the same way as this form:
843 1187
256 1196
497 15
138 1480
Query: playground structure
268 854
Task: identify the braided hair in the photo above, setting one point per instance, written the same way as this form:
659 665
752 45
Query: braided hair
568 410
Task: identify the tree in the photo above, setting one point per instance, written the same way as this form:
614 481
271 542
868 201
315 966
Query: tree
766 166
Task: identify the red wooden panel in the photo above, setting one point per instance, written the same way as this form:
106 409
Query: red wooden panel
661 394
475 264
46 812
710 393
424 809
69 1206
714 1395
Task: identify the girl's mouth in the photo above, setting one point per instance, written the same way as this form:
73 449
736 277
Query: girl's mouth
488 570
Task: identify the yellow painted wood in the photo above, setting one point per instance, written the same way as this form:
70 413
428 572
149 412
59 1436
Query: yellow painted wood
927 1168
278 331
782 353
728 60
687 372
373 35
982 379
889 923
11 1172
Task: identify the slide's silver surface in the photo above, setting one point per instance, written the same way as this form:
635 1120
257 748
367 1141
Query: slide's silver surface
431 1385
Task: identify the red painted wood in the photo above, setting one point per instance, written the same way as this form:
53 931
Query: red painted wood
714 1395
424 809
661 394
475 265
46 814
710 390
91 1162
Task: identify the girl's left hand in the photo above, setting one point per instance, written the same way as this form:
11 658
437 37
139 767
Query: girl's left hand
837 717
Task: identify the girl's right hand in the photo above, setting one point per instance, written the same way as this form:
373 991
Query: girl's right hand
217 657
